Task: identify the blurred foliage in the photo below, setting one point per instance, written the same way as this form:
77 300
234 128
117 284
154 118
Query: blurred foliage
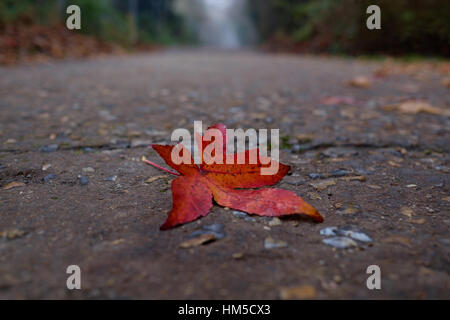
333 26
339 26
28 11
101 19
113 21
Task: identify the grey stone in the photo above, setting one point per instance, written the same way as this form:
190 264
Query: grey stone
49 177
215 229
83 180
49 148
340 242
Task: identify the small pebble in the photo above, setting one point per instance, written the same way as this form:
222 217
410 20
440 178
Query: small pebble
216 229
275 222
315 176
49 177
238 255
123 144
270 243
360 236
347 231
88 170
340 242
49 148
243 215
112 178
83 180
268 120
329 231
295 181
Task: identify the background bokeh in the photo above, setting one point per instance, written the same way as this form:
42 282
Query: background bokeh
30 28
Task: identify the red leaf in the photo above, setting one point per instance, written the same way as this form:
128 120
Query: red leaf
192 199
264 202
192 192
166 153
243 175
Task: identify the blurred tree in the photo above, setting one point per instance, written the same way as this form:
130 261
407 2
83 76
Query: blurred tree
339 26
126 22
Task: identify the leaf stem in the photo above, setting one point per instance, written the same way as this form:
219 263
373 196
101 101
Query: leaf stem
159 167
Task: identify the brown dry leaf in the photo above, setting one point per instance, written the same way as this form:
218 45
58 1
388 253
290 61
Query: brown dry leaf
394 164
338 205
348 113
446 82
195 242
134 134
258 115
424 271
402 151
418 221
13 184
300 292
407 211
304 137
238 255
12 234
321 185
116 242
360 82
338 159
354 178
349 209
153 179
314 196
398 240
417 106
10 141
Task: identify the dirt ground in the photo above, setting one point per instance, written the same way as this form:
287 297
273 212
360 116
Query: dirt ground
377 170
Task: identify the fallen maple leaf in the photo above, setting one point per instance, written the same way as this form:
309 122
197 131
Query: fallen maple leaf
417 106
196 186
360 82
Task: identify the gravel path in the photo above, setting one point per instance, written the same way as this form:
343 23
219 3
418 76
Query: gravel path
72 134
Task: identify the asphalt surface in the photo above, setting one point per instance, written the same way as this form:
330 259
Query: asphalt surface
72 134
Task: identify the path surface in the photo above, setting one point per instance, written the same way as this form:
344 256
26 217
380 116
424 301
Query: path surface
102 114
